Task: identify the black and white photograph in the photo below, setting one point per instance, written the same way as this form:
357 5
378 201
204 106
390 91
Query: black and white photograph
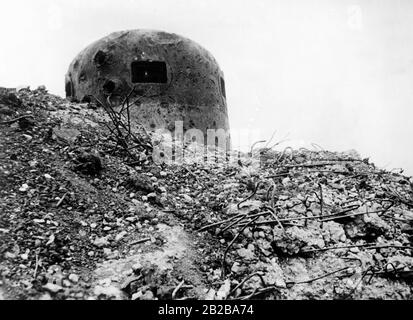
218 152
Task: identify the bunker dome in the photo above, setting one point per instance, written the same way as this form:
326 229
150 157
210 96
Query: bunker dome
172 79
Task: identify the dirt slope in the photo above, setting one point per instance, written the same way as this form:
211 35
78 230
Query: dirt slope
78 220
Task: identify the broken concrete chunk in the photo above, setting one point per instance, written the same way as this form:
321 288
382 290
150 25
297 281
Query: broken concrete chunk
108 292
333 232
292 240
53 288
74 278
101 242
139 182
224 290
247 253
210 295
65 135
368 227
187 198
121 235
9 98
274 275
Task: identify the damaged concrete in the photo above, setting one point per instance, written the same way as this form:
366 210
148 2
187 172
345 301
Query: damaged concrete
174 79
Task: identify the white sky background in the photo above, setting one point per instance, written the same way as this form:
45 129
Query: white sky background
336 73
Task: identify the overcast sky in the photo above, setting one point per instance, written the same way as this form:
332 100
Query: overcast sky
336 73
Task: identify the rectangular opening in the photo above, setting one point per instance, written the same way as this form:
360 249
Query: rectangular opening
223 87
149 72
68 89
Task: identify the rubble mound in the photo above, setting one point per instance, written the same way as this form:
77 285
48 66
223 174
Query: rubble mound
84 217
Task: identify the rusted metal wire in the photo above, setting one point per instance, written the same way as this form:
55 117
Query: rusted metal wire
267 289
337 215
350 215
250 196
365 246
122 130
16 119
306 165
258 291
278 175
321 198
275 217
292 283
231 243
255 143
219 223
234 222
239 285
179 286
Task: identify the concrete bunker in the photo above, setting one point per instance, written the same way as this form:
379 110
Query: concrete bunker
171 79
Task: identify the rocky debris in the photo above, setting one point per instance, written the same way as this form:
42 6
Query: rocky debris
8 97
88 163
139 182
26 123
53 288
108 292
247 253
333 232
74 278
369 227
66 135
101 242
81 219
273 274
294 239
224 290
5 110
